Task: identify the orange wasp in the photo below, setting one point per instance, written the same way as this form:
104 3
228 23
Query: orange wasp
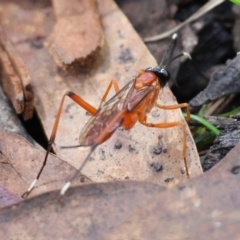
130 104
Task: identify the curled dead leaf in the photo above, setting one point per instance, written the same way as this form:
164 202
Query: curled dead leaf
15 79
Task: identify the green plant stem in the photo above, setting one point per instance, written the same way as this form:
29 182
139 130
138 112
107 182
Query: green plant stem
205 123
233 112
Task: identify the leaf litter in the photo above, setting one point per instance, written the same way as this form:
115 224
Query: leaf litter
152 155
51 83
208 204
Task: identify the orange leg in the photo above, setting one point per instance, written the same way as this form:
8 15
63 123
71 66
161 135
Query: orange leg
99 140
172 107
116 88
81 103
142 120
90 109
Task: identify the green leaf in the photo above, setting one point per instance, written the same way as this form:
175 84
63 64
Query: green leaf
237 2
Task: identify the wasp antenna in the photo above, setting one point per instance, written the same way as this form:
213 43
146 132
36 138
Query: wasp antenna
168 54
183 54
174 36
186 54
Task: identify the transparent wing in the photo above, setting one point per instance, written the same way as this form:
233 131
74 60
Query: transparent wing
127 98
120 95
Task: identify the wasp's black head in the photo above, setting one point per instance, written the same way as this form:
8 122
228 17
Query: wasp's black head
162 74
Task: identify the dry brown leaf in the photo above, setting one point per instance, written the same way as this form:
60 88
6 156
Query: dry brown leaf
6 197
77 36
84 213
206 207
146 154
20 162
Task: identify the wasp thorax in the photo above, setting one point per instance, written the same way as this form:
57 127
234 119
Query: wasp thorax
145 79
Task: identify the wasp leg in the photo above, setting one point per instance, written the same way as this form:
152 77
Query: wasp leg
142 120
172 107
101 138
81 103
113 83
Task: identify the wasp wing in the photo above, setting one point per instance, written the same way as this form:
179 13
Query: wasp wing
119 95
126 99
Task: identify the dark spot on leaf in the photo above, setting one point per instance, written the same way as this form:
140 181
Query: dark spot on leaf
181 187
157 167
118 145
101 153
37 42
126 56
120 34
82 179
120 129
165 150
160 137
168 180
157 149
88 114
235 170
67 109
182 171
155 114
131 148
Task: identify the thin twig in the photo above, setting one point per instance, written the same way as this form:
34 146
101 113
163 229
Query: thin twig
204 9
